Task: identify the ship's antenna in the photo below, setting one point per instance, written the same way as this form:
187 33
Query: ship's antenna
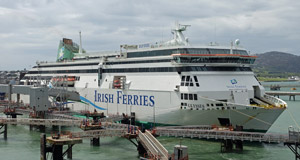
215 30
231 45
80 46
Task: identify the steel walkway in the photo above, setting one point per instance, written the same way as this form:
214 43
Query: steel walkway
224 134
280 93
153 146
58 122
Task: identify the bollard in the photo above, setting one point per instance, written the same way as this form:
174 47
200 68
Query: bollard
180 152
43 147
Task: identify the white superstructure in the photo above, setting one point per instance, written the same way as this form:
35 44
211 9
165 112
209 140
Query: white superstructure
170 83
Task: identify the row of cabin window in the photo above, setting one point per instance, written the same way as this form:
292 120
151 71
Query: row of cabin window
183 51
188 81
175 69
134 62
209 51
213 60
222 108
105 63
65 71
68 65
157 69
186 96
212 105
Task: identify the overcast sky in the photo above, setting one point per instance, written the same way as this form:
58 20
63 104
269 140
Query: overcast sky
30 30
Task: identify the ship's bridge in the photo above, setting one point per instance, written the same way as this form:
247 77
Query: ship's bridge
208 55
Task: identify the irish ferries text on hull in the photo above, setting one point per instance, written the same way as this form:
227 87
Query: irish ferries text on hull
171 83
127 99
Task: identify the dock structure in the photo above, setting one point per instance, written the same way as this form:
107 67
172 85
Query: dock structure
280 93
228 138
38 95
282 85
294 142
55 146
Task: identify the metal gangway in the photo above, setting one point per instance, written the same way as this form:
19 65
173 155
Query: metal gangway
223 135
100 133
153 146
282 93
58 122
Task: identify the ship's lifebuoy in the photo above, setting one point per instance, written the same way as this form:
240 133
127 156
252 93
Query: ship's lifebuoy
117 85
71 78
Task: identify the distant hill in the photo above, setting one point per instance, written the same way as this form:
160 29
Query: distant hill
277 62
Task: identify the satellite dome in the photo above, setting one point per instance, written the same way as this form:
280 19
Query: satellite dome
237 42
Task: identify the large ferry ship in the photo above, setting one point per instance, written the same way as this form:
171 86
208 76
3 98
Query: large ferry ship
167 83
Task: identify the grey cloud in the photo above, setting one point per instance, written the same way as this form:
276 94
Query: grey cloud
30 30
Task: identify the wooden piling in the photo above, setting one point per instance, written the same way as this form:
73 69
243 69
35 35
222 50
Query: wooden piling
5 132
226 145
57 152
43 147
95 141
239 145
69 153
292 96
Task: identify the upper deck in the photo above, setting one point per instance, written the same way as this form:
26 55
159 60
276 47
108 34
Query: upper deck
178 50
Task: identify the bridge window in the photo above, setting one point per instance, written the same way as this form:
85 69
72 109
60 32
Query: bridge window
188 81
185 96
182 80
190 96
196 81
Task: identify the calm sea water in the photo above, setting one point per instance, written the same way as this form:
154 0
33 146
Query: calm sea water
25 145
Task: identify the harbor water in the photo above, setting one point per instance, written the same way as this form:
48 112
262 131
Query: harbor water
24 144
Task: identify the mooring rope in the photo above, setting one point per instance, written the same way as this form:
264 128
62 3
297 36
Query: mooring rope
270 124
291 115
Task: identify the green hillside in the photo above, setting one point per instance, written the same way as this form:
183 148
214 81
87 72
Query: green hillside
276 65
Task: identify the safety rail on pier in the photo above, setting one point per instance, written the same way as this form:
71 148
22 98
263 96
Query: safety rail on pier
62 116
223 134
281 93
201 127
100 133
57 122
42 122
294 135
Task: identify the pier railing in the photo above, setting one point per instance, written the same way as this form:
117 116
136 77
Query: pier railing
100 133
147 144
294 135
224 134
58 122
42 122
160 148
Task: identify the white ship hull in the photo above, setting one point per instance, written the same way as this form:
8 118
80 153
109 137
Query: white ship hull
165 109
